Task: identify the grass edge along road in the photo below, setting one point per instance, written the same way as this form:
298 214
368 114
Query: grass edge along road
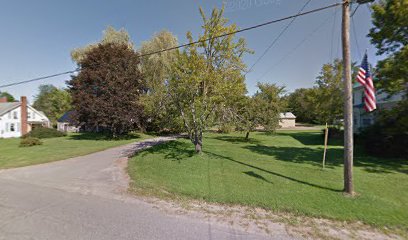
280 172
55 149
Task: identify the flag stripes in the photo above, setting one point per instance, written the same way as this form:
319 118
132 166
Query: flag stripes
365 79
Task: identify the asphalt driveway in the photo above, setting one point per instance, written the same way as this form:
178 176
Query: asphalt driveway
85 198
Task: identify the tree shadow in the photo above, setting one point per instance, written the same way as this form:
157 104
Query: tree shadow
102 136
311 138
173 150
252 174
334 158
236 140
273 173
311 156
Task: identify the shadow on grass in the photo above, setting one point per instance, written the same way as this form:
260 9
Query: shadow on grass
334 158
173 150
252 174
102 137
273 173
311 138
235 140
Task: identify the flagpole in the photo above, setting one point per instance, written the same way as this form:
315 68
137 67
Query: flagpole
348 101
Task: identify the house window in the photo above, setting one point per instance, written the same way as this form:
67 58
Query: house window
12 127
15 115
28 114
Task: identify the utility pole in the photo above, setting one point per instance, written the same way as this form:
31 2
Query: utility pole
348 101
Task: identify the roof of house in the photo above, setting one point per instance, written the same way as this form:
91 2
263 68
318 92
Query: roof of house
67 117
287 115
5 107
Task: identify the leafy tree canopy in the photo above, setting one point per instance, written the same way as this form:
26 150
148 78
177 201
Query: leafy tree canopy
9 97
54 102
106 91
110 35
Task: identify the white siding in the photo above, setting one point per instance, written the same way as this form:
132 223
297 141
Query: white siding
8 120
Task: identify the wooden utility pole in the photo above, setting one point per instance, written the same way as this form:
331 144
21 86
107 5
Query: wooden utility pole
348 101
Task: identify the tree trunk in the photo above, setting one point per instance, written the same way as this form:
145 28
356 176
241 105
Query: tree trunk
198 142
247 135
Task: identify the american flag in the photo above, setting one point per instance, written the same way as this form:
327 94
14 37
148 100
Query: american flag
365 79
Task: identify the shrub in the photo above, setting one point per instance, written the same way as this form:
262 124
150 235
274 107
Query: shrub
388 137
30 141
42 132
334 133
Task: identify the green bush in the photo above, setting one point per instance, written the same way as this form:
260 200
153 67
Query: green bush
42 132
30 141
334 133
388 137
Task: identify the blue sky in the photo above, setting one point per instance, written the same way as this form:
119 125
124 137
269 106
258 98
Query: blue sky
37 36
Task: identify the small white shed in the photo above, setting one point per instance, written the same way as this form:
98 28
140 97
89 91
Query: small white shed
287 120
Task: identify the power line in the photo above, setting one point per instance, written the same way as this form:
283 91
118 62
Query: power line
333 28
188 44
277 38
295 48
355 37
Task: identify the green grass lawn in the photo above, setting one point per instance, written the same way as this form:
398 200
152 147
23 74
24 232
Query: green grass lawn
281 172
53 149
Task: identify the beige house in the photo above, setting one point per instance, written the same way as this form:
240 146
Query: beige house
287 120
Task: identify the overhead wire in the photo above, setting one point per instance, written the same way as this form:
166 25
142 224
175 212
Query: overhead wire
295 48
187 44
276 39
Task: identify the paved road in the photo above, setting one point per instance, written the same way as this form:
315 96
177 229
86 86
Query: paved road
85 198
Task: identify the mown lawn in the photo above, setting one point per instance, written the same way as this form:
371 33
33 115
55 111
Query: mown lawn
280 172
53 149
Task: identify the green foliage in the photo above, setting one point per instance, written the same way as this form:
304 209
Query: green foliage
54 102
388 137
110 35
160 114
106 91
390 20
207 76
262 109
390 35
30 142
324 102
9 97
42 132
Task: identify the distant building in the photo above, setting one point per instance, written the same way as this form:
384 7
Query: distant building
362 119
19 118
287 120
66 124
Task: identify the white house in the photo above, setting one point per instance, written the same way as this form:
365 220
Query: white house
19 118
287 120
363 119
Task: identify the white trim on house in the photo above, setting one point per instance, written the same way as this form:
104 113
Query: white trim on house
10 119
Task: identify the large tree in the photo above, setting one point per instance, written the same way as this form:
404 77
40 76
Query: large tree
106 91
390 36
110 35
54 102
160 113
208 75
262 109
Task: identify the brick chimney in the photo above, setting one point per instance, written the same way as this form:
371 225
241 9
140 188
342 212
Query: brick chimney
3 99
24 124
